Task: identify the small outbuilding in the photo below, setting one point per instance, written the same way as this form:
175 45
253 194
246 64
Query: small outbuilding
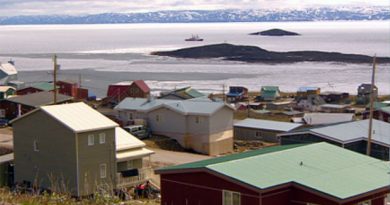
6 91
185 93
266 130
237 93
335 108
36 87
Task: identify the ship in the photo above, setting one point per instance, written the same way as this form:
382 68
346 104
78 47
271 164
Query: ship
194 38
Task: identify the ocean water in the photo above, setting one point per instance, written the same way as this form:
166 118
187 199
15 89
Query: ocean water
125 48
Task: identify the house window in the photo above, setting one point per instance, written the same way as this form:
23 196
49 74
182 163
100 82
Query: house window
102 138
367 202
258 134
103 171
197 120
91 140
35 145
130 116
231 198
158 118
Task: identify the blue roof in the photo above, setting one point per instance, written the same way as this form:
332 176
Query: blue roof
305 89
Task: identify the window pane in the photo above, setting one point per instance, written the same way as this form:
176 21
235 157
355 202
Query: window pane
103 171
227 198
91 140
236 199
102 138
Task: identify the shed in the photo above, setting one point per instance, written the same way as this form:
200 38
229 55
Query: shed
185 93
334 108
318 173
306 91
36 87
266 130
139 89
327 118
6 91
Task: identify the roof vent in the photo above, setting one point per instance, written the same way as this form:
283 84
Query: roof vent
301 163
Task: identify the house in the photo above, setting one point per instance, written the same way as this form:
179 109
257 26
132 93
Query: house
304 92
67 87
364 91
382 114
335 108
139 89
350 135
74 149
237 93
282 105
8 73
36 87
6 91
269 93
326 118
265 130
20 105
202 126
182 94
318 173
334 97
117 92
310 103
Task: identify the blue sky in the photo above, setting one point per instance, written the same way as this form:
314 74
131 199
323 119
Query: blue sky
77 7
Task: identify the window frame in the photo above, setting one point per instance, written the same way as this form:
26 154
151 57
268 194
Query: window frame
231 197
102 138
35 146
103 174
91 139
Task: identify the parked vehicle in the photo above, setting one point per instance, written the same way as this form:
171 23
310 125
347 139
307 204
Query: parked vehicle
139 131
3 123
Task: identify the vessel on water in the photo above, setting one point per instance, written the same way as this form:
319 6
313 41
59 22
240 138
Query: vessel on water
194 38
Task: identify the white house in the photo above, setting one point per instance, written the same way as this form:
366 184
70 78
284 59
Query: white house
8 73
204 126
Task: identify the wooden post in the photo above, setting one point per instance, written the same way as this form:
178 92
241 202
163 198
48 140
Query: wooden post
223 93
55 78
371 108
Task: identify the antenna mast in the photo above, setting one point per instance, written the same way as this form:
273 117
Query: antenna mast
55 66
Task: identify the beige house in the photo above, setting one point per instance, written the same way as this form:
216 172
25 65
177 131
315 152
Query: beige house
73 148
204 126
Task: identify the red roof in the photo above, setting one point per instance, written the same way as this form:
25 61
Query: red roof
142 85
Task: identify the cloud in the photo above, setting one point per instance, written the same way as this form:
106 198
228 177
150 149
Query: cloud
79 7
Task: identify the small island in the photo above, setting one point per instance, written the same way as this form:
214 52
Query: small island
258 55
275 32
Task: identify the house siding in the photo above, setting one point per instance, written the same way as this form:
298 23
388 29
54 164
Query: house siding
200 187
56 156
91 157
243 133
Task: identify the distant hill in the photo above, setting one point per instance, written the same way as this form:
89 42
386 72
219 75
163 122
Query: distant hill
275 32
192 16
256 54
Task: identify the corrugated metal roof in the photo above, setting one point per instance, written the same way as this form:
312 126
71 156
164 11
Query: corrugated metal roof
134 154
79 117
327 118
8 69
305 89
39 99
124 140
6 88
185 107
322 167
267 125
270 88
356 130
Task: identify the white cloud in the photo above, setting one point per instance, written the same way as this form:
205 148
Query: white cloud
76 7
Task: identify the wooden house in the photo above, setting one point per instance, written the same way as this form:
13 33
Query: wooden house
6 92
334 97
185 93
311 174
237 93
364 93
72 148
303 92
36 87
269 93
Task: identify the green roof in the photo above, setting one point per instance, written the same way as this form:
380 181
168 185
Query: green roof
269 93
323 167
44 86
270 88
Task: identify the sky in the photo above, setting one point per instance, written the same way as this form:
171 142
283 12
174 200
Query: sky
82 7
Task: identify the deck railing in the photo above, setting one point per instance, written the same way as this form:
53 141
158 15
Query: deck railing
143 175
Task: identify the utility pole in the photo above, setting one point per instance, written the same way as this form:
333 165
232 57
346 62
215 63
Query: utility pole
223 93
79 80
55 78
371 107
